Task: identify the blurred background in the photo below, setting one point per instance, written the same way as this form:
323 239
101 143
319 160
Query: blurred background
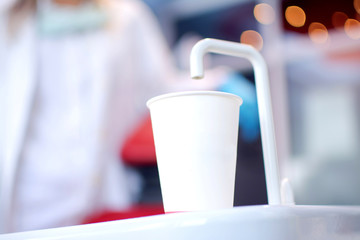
312 48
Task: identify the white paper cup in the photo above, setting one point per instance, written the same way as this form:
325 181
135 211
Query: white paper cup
195 137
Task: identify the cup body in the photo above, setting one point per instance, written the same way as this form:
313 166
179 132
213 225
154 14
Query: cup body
195 136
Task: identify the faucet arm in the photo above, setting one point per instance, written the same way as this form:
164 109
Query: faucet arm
263 97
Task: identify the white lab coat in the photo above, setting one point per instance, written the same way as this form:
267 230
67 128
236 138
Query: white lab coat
128 63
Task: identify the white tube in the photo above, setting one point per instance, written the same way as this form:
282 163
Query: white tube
263 97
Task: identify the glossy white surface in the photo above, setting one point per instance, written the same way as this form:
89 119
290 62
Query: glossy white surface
253 222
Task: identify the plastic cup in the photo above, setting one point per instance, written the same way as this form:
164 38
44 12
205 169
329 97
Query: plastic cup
195 136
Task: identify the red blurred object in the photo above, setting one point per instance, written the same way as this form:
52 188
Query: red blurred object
133 212
139 148
139 151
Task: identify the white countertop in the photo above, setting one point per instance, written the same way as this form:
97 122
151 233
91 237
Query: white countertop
250 222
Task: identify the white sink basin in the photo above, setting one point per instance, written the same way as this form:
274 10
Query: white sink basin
251 222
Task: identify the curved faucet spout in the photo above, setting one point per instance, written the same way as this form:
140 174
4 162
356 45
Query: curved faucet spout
263 97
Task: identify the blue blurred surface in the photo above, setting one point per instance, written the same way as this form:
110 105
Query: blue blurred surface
249 116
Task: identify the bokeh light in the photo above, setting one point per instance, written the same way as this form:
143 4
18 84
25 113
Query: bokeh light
252 38
264 13
295 16
352 28
338 19
357 5
318 33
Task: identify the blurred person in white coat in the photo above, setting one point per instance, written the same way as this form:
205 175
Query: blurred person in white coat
74 78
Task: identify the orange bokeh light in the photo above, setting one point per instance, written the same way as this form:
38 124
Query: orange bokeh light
252 38
318 33
295 16
352 28
338 19
264 13
357 5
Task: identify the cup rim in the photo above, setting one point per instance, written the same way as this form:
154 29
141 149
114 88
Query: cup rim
186 93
